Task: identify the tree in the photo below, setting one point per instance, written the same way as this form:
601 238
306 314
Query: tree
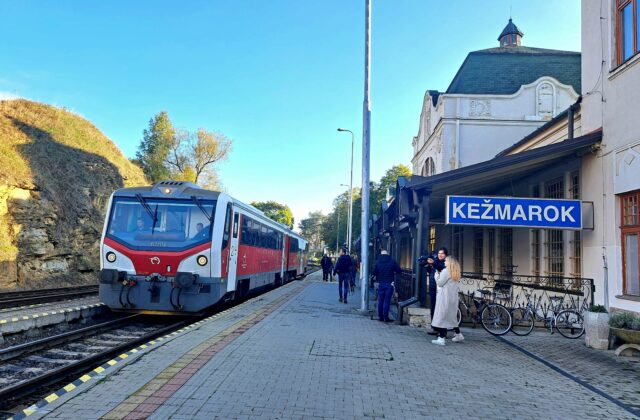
311 228
379 190
281 213
154 147
192 156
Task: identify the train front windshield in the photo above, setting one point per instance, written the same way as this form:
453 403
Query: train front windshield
144 223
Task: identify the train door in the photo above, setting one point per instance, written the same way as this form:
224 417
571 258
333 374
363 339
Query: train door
285 256
283 262
233 252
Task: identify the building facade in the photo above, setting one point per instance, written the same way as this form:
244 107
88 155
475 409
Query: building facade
498 95
589 151
611 92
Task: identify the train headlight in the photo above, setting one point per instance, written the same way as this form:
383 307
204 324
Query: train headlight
111 257
202 260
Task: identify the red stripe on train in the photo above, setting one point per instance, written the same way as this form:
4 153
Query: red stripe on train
149 262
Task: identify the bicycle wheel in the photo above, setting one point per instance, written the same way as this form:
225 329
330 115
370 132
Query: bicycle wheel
496 319
459 316
522 321
569 323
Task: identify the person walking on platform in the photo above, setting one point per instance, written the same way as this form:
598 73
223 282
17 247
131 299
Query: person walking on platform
434 265
446 313
385 270
325 263
343 270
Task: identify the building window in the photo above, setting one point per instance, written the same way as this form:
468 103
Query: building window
491 244
429 167
478 247
432 238
506 252
456 243
555 253
546 100
626 29
535 252
630 230
554 237
405 251
535 240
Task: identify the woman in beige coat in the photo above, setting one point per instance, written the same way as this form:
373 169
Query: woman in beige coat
445 316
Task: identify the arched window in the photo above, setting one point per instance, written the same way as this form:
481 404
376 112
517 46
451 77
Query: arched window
546 100
429 167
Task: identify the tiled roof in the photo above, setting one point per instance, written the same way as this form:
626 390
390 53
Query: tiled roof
510 29
503 70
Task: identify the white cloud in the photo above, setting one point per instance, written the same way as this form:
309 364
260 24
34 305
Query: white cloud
7 96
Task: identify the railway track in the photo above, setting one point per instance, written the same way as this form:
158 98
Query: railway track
31 297
28 370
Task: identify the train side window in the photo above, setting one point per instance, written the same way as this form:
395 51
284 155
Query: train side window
227 228
235 225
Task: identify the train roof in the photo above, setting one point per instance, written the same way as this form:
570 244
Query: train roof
169 189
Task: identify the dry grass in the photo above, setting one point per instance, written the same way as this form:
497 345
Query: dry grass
62 158
64 128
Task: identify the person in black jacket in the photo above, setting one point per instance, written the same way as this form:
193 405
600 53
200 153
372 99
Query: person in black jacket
343 270
434 265
385 270
325 263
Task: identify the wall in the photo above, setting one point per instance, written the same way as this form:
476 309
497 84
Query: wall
611 103
461 130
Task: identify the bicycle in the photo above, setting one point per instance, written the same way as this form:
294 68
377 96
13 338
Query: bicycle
494 317
568 322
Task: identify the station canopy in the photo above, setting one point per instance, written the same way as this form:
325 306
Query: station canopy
493 177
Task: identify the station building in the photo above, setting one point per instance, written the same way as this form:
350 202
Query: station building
582 147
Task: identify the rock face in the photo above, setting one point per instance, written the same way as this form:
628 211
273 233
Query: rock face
57 172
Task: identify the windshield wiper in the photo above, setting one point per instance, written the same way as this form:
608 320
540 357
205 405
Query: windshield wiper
202 209
147 207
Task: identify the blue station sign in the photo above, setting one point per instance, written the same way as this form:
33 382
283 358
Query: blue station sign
514 212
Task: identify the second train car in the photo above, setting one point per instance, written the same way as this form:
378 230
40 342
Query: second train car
177 248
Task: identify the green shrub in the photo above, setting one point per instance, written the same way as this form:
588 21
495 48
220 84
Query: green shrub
598 309
625 320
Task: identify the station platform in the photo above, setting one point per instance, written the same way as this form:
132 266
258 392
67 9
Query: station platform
298 353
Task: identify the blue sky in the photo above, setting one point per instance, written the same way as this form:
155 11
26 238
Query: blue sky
276 76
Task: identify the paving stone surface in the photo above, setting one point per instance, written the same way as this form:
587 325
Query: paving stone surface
616 376
310 356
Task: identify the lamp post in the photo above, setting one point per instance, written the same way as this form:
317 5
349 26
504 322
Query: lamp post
338 230
349 222
366 139
350 218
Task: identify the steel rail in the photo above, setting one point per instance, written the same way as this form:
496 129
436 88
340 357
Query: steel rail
32 386
43 343
30 297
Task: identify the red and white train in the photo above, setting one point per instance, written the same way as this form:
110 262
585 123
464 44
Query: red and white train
177 248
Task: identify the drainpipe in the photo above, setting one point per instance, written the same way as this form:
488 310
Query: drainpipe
606 280
570 123
570 117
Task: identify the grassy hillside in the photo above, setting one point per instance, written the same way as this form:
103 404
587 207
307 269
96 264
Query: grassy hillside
57 171
22 122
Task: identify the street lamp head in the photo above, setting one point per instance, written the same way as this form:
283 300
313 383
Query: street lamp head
341 129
